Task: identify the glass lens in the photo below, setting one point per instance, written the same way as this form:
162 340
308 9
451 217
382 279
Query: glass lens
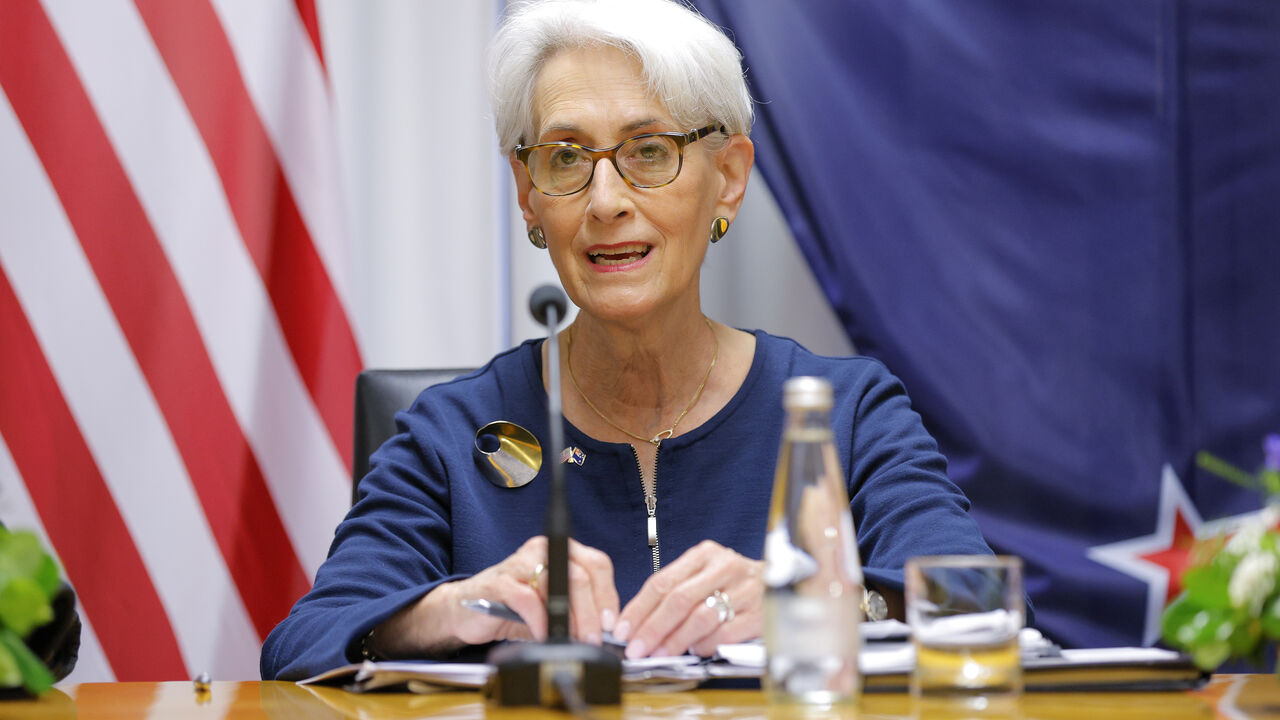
649 161
559 169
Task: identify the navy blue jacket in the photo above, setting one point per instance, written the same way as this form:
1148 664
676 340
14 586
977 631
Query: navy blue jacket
427 515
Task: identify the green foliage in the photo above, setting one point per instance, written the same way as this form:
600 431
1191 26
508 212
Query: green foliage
1270 482
23 606
1214 620
1210 633
1207 586
30 672
1205 622
28 583
1270 620
1225 470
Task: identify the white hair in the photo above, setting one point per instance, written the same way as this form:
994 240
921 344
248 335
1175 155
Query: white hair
688 63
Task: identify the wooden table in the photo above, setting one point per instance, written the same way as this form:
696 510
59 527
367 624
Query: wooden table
1226 697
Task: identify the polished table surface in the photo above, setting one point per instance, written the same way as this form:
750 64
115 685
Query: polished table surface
1226 696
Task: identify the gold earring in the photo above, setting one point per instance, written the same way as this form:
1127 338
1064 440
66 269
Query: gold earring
719 227
537 237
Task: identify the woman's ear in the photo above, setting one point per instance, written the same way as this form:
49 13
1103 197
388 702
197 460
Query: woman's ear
524 186
734 163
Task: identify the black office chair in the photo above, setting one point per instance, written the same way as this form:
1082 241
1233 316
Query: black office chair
380 394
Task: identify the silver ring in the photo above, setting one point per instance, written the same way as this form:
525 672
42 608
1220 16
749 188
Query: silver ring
718 600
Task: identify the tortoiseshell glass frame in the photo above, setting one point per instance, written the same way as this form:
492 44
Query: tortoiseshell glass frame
681 139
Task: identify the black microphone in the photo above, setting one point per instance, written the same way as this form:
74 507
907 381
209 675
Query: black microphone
547 303
545 299
557 673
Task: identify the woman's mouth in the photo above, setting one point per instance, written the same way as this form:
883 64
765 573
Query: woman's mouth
619 254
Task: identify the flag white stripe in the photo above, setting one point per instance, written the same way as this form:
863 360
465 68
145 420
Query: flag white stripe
289 89
182 194
112 404
19 512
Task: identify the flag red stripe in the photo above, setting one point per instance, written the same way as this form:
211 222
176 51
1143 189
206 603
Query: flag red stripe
76 508
311 21
149 304
314 323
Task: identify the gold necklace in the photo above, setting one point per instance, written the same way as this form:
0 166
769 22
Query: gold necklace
656 440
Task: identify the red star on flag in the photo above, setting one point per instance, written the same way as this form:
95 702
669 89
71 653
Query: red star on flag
1159 559
1176 558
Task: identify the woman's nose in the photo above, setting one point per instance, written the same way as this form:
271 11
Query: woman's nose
607 192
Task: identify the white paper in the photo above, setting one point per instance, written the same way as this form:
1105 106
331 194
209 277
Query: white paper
650 663
748 654
466 674
885 630
1120 655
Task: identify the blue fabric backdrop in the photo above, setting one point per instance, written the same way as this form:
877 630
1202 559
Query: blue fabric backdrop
1059 223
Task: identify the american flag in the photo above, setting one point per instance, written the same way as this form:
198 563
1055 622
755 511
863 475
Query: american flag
176 350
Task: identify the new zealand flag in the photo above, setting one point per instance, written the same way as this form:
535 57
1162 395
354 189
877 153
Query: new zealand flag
1059 223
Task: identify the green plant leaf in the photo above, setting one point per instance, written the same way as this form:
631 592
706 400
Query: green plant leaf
1209 657
1244 636
23 606
35 676
1225 470
10 675
1214 625
1222 564
1270 481
1177 618
1207 586
46 576
1205 633
22 556
1271 618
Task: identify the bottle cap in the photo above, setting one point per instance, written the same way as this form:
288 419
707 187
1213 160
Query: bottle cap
808 392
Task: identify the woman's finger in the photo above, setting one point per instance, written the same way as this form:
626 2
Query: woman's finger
600 571
670 596
474 628
525 601
695 611
655 589
512 582
533 551
584 615
520 582
744 626
731 612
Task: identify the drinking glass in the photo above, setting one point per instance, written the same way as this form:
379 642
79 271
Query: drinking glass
965 612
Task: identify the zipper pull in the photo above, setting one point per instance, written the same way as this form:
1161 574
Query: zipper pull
651 505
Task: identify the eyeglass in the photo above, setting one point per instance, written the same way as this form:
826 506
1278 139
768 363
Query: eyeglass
644 161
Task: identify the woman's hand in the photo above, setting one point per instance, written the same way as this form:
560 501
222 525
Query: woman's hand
677 609
439 623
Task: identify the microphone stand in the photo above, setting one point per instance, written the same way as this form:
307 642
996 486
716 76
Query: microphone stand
558 672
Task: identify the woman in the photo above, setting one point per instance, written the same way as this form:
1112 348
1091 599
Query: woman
626 126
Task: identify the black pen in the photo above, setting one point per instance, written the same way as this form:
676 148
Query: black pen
496 609
501 610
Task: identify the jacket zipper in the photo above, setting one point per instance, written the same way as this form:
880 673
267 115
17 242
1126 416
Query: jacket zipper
650 505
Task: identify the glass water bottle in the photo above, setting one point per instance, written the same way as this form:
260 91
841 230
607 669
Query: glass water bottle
813 575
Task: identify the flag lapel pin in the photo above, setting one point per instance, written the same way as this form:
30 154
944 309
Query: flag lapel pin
574 455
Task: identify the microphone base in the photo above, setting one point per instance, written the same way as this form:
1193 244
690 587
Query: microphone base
524 674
